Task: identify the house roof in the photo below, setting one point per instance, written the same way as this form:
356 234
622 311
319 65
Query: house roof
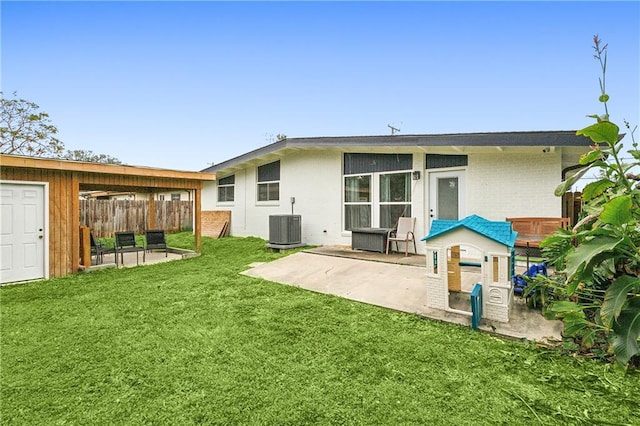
562 138
500 232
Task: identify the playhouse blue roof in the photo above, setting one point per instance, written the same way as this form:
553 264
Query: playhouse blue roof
500 232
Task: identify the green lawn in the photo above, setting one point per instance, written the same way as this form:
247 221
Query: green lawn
193 341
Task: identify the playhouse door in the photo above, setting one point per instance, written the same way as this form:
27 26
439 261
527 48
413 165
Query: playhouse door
446 195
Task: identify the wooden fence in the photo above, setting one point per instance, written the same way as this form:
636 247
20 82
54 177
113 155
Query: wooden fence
572 206
105 217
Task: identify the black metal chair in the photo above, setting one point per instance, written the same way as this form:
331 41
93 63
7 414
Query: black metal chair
126 243
99 249
155 240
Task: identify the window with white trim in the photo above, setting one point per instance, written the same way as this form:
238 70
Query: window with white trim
226 188
377 189
395 198
269 182
357 201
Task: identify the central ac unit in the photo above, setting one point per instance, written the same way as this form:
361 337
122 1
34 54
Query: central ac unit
285 229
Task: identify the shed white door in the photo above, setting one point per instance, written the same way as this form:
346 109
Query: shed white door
21 232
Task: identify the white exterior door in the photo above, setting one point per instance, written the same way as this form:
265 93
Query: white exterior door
22 232
446 195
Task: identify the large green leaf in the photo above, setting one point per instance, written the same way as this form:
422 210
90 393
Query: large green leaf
604 131
568 183
616 296
565 307
585 252
596 188
626 331
590 157
617 211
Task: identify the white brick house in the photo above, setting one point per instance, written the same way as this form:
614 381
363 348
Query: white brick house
338 183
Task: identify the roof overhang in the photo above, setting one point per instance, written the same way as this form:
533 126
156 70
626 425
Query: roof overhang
114 169
463 143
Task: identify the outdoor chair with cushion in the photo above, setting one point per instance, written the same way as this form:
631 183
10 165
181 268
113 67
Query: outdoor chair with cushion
404 233
126 243
155 239
99 249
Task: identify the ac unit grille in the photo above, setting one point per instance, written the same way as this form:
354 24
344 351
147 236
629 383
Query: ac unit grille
285 229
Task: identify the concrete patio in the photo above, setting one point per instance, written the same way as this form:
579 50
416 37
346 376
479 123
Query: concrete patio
392 281
129 259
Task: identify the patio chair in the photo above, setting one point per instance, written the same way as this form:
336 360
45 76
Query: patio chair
99 249
404 233
154 239
126 243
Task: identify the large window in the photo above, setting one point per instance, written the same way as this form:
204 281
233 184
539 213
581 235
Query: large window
377 189
395 198
357 201
226 188
269 182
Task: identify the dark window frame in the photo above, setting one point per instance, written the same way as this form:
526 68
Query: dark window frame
268 187
441 161
226 189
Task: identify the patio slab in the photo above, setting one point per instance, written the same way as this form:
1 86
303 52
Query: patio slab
391 285
150 259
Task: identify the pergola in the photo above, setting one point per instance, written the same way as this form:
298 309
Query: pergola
65 179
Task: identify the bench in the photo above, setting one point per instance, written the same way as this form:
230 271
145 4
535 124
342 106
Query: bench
155 240
532 230
126 243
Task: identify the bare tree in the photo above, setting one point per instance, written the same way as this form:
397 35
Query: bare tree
24 130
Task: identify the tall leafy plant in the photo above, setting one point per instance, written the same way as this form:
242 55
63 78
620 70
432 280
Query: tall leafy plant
601 256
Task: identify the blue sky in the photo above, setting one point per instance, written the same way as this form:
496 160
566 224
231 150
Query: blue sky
183 84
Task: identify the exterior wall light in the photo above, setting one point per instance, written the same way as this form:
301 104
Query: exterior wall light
416 175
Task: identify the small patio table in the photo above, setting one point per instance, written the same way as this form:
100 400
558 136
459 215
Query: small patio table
370 239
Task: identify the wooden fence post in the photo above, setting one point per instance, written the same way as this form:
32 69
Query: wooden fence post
151 212
85 246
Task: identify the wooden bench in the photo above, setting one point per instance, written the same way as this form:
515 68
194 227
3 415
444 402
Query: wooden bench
532 230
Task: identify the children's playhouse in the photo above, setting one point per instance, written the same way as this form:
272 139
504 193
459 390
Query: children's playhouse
477 243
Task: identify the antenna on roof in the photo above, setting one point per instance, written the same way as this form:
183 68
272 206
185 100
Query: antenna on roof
393 129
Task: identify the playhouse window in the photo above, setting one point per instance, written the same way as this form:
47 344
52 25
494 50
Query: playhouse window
500 271
432 262
435 263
